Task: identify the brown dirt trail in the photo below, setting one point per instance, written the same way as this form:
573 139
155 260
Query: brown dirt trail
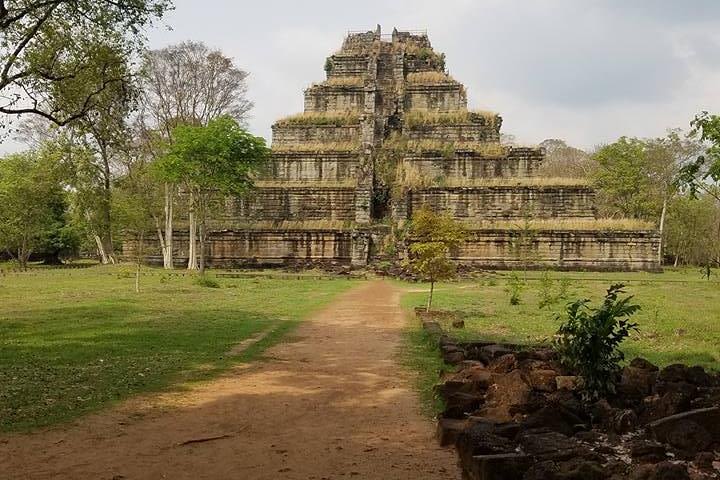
330 404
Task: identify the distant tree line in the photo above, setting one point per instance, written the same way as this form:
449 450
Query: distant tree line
124 142
671 181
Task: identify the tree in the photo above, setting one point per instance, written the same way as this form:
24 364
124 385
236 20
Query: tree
135 206
622 180
432 237
60 56
704 173
186 84
562 160
32 199
220 158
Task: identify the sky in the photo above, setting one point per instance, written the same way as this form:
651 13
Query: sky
586 71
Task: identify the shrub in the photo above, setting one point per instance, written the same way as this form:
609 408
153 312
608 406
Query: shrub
547 298
207 282
514 287
588 341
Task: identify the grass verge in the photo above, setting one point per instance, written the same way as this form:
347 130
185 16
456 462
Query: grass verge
74 341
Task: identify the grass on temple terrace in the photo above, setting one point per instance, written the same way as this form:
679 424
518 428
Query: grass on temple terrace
72 341
679 321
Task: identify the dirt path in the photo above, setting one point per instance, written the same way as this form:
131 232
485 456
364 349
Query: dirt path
327 405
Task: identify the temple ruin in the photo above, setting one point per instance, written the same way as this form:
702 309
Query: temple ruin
387 132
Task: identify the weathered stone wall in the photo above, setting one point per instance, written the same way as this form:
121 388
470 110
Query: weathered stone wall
348 65
518 163
288 135
309 166
501 202
288 203
258 247
462 132
328 98
574 250
440 97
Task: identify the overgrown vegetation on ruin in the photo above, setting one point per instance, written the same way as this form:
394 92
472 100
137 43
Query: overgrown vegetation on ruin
576 224
514 182
423 118
336 119
429 78
345 146
343 81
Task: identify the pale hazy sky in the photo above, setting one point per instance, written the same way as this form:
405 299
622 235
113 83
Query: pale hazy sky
587 71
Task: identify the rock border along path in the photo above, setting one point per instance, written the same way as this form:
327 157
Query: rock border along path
330 403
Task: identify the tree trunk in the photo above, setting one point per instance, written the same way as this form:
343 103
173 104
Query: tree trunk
192 235
662 230
168 243
201 230
107 205
138 263
429 302
101 249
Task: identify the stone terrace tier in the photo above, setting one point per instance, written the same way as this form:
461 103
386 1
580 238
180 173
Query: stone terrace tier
506 202
470 165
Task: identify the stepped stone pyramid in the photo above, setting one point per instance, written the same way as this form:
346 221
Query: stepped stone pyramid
387 132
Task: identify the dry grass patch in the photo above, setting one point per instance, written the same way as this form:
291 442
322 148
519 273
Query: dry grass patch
337 119
422 118
288 225
429 78
342 81
347 146
602 224
490 149
274 183
517 182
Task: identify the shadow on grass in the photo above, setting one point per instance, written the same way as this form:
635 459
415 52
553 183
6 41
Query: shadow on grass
76 359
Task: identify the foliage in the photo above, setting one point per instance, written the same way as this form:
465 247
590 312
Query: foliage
432 237
589 339
515 286
329 65
563 160
705 169
693 223
32 217
207 282
59 57
220 156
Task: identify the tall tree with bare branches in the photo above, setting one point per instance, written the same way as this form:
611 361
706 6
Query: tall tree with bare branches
187 84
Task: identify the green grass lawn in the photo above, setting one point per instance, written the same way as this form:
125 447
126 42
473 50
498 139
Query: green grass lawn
72 341
679 320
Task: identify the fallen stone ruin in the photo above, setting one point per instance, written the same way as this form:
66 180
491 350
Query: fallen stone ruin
514 413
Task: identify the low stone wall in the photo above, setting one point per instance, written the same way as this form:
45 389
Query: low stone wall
461 132
288 135
439 97
572 250
518 163
329 98
257 248
289 203
506 202
348 65
302 166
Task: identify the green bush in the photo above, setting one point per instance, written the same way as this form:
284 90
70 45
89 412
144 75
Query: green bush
588 341
208 282
515 287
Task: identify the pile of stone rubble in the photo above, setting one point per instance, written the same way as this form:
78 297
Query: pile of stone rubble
515 413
